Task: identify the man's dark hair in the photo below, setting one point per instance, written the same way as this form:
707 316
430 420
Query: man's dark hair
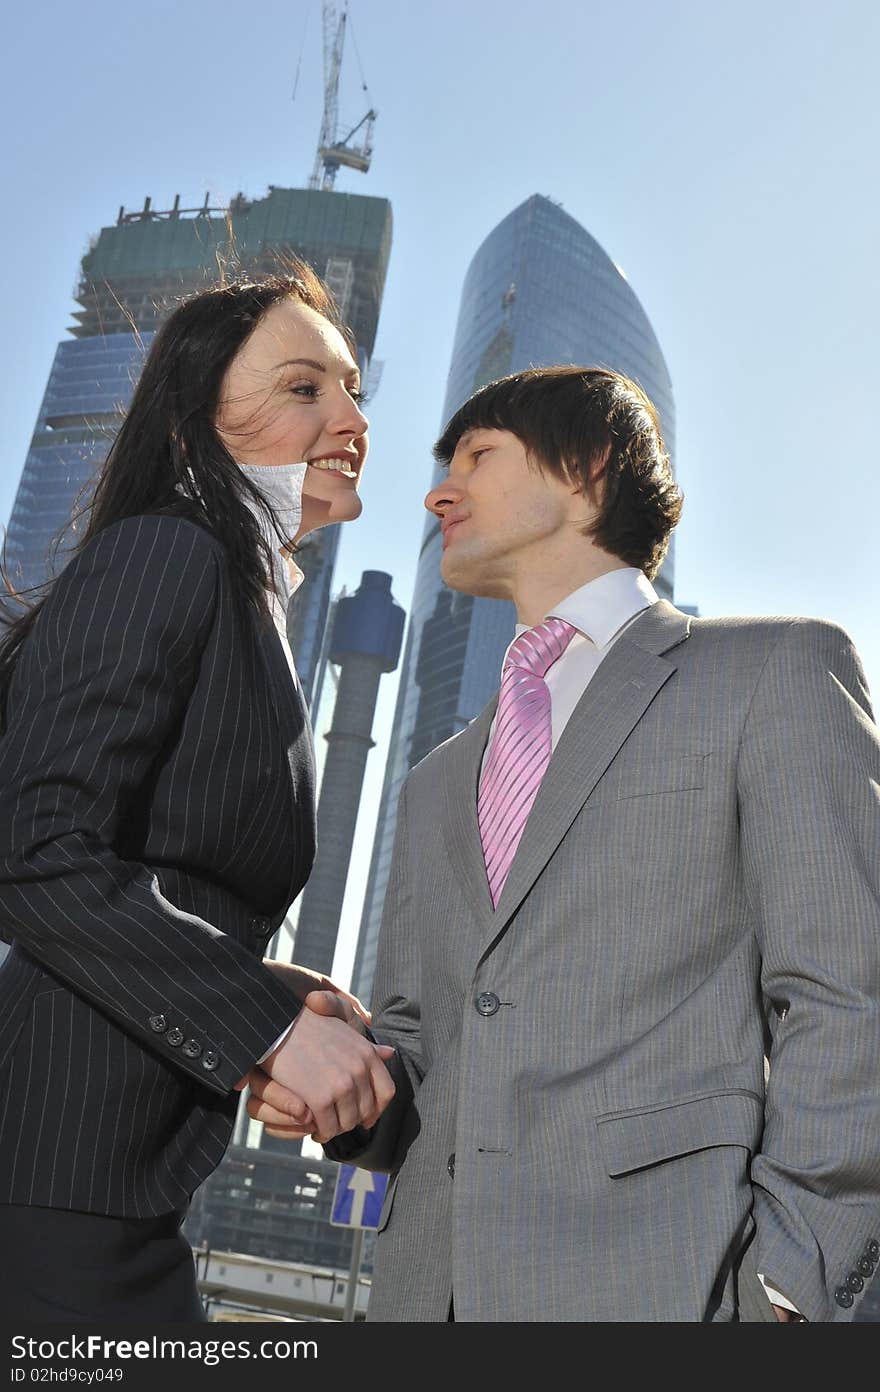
593 427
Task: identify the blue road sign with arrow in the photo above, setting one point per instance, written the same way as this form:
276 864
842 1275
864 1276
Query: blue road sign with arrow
358 1198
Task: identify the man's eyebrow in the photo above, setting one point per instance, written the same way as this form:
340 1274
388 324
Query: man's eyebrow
464 440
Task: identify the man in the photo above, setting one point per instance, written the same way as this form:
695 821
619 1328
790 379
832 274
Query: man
654 862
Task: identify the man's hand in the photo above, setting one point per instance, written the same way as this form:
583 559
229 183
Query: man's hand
301 981
328 1066
785 1316
283 1112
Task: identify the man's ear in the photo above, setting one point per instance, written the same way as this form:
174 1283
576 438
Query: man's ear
592 487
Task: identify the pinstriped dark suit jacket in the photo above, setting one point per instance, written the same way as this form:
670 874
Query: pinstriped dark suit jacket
156 821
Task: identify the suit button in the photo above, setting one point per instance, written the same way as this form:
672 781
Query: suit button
210 1060
192 1048
175 1037
872 1249
865 1266
450 1165
158 1023
843 1297
487 1003
855 1282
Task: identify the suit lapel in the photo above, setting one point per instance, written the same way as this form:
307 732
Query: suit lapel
461 832
612 705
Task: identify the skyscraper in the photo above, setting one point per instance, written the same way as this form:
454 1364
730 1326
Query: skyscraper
540 290
130 279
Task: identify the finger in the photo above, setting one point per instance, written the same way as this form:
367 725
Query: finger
382 1083
328 1121
355 1100
321 1140
241 1084
287 1133
284 1101
378 1091
270 1116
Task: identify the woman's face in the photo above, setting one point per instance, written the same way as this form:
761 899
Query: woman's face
291 394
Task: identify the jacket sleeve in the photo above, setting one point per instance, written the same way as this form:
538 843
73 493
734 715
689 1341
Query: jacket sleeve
99 690
809 789
396 1019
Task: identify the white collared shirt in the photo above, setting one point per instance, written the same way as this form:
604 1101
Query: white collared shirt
601 611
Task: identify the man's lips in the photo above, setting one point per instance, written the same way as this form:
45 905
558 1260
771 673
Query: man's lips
447 529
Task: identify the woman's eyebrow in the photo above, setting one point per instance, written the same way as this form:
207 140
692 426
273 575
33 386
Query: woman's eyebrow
303 362
353 371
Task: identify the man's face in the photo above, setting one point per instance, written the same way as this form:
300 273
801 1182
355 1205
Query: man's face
502 518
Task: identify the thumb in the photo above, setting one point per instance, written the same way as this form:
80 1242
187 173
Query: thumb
385 1051
325 1003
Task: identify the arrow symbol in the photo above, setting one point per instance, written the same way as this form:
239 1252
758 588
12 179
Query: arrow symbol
361 1184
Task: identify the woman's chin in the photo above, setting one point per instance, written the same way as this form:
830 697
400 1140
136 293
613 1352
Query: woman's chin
348 508
326 514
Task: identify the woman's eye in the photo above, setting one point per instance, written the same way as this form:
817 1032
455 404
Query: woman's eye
305 389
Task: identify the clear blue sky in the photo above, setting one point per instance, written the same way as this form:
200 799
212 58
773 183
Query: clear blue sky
723 154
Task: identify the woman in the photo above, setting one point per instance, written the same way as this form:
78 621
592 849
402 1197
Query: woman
157 808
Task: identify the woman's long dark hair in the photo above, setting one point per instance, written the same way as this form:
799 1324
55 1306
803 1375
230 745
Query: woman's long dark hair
168 448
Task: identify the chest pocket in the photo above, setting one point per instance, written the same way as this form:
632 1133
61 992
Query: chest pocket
674 773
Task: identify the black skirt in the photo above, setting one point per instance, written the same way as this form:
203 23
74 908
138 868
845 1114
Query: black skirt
84 1266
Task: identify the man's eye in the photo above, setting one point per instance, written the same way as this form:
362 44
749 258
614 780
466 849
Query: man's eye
357 396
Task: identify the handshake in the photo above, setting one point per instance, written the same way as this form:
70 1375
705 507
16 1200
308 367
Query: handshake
324 1077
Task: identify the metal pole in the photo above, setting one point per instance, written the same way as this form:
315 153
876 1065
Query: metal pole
354 1272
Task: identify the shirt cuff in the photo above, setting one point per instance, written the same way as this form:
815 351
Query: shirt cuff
775 1298
280 1040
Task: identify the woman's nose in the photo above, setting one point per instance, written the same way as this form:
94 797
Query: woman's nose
350 419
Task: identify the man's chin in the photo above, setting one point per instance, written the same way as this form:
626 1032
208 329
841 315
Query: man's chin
467 579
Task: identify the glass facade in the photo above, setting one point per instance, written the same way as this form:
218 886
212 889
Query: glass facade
540 290
89 388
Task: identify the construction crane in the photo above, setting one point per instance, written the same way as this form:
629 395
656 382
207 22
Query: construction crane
334 152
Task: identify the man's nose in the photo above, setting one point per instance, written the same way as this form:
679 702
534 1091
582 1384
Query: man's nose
445 495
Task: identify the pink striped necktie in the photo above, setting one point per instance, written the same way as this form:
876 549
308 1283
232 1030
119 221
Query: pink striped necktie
521 746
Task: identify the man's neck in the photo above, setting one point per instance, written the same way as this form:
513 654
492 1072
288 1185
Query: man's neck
536 595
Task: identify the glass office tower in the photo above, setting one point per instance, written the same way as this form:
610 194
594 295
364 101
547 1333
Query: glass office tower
89 387
539 291
130 278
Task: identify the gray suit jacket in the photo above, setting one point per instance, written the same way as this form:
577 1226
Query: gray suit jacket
698 887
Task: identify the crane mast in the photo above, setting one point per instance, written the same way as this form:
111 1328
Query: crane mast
334 152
